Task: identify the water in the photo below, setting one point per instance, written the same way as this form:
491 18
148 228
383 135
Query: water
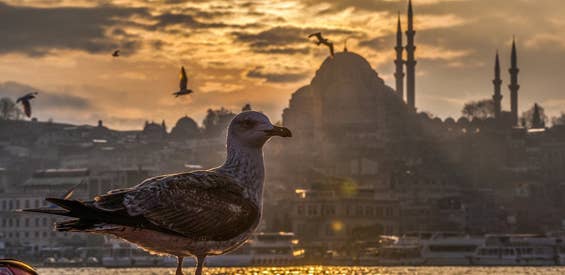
310 270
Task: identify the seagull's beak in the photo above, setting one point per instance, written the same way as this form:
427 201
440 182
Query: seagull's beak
279 131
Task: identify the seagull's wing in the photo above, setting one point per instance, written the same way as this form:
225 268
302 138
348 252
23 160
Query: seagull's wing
183 79
201 205
27 106
317 35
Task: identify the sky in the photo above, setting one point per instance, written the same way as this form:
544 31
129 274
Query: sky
257 52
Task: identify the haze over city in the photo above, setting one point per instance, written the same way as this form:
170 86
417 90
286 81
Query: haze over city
238 52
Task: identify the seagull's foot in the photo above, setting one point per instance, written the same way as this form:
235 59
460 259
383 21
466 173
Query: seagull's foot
179 266
199 264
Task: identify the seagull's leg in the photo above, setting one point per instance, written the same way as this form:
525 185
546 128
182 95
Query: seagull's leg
179 265
199 264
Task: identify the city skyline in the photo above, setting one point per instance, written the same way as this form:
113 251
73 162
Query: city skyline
260 54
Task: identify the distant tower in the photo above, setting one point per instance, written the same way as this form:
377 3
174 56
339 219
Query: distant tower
514 87
410 60
497 97
399 74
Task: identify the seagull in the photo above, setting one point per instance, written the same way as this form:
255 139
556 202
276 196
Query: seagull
25 102
322 40
116 53
183 81
196 214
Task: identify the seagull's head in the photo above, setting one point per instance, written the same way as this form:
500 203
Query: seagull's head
253 129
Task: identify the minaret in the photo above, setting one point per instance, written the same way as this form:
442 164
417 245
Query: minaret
410 60
399 74
497 97
514 87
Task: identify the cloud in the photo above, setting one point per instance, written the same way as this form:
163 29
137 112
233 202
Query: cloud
258 72
37 31
185 20
370 5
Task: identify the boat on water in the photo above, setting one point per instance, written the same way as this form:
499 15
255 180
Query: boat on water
262 249
450 248
459 249
520 250
405 250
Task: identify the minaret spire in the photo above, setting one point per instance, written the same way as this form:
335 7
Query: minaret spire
514 87
399 62
497 97
410 60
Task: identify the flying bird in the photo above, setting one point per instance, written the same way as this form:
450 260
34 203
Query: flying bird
322 40
183 83
116 53
196 214
25 100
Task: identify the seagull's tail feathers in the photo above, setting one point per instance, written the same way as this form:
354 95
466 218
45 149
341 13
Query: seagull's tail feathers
82 225
69 208
45 210
86 220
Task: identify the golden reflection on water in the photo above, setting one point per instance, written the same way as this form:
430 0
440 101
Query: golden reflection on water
310 270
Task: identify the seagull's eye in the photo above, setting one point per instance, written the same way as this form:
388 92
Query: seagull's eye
247 123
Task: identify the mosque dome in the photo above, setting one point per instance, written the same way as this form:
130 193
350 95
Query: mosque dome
346 67
185 128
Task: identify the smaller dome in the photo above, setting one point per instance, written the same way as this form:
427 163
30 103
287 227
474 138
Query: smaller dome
450 121
152 128
463 121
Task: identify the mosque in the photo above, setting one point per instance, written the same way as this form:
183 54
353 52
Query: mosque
360 144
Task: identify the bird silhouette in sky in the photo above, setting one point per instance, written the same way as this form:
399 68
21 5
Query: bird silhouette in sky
183 84
116 53
25 100
322 40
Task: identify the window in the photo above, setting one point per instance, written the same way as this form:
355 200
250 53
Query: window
36 222
300 209
359 210
27 222
312 210
368 211
379 212
328 210
44 220
17 222
36 203
3 205
27 204
17 204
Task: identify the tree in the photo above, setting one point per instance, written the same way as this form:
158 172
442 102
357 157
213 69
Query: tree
216 121
480 109
558 120
534 117
9 109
